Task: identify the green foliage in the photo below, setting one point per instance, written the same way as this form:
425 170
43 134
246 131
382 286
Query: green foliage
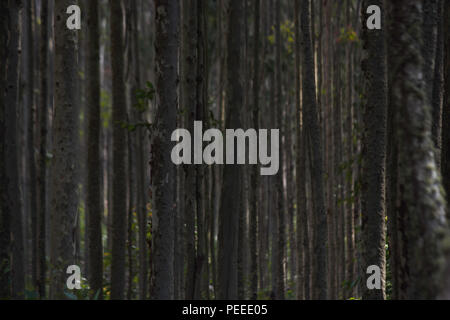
143 96
347 35
105 108
80 294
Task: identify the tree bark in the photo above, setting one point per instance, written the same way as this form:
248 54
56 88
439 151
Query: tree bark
255 174
119 184
231 187
163 170
313 134
438 83
94 167
5 218
374 153
42 174
64 188
423 229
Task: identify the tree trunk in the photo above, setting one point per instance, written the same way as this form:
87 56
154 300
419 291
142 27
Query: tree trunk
94 167
189 101
313 134
163 170
423 229
119 184
374 153
231 187
64 188
279 290
5 217
255 174
42 175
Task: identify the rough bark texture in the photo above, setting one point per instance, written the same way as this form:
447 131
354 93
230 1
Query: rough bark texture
438 83
94 168
302 275
27 83
422 228
163 170
314 142
374 156
141 171
42 174
13 201
429 29
64 189
5 219
189 106
279 258
119 185
255 169
231 187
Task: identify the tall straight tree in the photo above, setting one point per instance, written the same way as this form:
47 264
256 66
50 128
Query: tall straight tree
303 261
42 166
27 80
63 199
189 102
422 226
163 170
279 282
119 186
374 67
5 218
94 169
13 201
314 142
231 185
254 173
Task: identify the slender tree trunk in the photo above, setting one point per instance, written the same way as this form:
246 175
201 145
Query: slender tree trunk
255 174
279 290
42 174
140 161
28 101
5 217
12 144
64 188
119 185
350 238
313 134
200 192
94 167
374 153
231 187
189 61
163 170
